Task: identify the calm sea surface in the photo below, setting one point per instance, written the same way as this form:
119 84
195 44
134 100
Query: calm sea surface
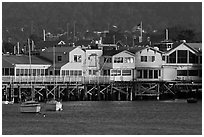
107 118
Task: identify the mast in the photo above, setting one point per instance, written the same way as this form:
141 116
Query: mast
54 69
67 31
140 40
30 71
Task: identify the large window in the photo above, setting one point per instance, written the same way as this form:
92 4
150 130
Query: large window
150 73
126 72
115 72
77 58
151 58
145 73
106 72
143 58
192 58
172 57
182 56
155 74
128 60
118 60
107 59
139 73
193 72
181 72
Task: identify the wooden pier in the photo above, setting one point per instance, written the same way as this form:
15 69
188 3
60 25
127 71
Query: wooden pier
91 89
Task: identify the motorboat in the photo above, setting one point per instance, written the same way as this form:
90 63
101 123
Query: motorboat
192 100
30 107
54 105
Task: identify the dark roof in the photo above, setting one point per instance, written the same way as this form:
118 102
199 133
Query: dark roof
10 60
111 52
59 49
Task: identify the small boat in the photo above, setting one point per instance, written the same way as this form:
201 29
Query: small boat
192 100
30 107
53 105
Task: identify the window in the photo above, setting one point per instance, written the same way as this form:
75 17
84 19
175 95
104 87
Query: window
143 58
59 58
182 56
193 72
94 72
21 72
38 72
106 72
67 72
155 73
34 72
150 73
79 73
192 58
17 72
151 58
172 58
126 72
115 72
200 73
181 72
128 60
200 60
139 73
26 72
63 72
145 73
118 60
42 72
108 60
163 58
3 71
77 58
75 72
57 72
46 71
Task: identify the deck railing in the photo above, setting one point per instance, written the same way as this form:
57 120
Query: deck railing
56 79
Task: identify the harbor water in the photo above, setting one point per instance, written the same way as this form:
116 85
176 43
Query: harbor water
175 117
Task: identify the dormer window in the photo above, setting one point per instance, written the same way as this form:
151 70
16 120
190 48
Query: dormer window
77 58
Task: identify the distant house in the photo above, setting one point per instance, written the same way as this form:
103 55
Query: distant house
19 65
119 64
92 62
148 63
59 56
185 61
76 63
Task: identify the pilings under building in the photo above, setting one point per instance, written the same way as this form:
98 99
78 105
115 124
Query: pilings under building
77 90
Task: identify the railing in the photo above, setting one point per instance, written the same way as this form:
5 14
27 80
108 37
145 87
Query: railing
56 79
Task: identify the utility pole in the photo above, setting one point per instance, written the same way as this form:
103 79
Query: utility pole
67 31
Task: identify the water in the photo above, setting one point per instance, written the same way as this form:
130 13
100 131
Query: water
108 118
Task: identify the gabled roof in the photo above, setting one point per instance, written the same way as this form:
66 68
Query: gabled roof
175 45
10 60
59 49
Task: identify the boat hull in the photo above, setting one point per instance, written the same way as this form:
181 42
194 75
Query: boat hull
30 108
54 106
192 100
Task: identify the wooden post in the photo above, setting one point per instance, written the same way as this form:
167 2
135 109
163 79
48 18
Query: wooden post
119 96
131 93
98 92
112 92
158 88
19 93
85 92
127 90
59 92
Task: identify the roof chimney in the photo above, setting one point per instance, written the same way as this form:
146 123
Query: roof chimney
167 37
